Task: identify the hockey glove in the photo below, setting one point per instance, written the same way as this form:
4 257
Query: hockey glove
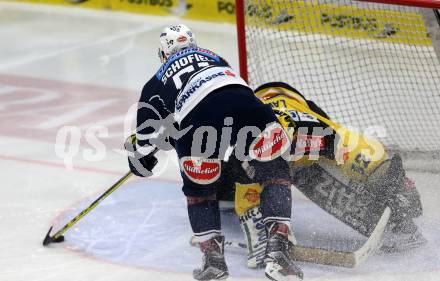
140 165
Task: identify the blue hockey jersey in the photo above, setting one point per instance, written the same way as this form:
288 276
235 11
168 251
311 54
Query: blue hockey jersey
184 80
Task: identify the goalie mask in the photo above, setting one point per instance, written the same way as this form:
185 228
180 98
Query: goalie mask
174 39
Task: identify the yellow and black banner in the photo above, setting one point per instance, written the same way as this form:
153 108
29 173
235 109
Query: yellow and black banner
313 17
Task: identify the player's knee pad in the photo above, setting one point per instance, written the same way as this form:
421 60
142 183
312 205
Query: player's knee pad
276 203
204 217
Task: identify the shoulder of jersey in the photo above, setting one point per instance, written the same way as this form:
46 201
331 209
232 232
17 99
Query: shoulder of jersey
186 52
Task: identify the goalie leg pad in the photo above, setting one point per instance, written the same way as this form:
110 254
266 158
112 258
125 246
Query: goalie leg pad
398 192
251 223
247 207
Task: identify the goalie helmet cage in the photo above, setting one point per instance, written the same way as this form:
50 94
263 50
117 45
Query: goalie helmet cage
368 64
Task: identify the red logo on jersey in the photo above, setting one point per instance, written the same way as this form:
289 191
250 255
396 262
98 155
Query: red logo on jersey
201 170
227 72
272 142
181 39
307 143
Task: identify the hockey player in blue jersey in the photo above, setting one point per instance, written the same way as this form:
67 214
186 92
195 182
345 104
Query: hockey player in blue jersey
199 106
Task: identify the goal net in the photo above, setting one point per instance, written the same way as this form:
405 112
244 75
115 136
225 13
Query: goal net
366 64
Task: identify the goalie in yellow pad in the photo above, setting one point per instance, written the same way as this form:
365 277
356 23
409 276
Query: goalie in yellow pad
347 174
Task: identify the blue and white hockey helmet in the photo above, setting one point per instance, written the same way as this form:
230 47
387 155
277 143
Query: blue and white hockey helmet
174 39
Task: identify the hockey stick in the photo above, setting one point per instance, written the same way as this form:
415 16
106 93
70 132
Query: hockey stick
58 236
345 259
332 257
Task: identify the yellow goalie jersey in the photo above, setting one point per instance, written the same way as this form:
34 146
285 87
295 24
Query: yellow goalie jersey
316 138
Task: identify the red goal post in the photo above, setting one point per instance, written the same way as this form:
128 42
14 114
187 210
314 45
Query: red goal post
368 63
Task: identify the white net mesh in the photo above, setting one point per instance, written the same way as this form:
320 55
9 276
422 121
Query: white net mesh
365 64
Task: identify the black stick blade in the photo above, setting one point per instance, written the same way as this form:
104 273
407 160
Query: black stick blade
47 240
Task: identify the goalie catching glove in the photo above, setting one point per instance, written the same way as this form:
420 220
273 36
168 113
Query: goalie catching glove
140 165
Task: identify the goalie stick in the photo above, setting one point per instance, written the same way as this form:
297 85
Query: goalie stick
333 257
341 258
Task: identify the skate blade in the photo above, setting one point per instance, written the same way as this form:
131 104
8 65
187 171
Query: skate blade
210 275
274 272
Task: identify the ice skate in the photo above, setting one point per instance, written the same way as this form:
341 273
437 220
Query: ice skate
279 265
213 265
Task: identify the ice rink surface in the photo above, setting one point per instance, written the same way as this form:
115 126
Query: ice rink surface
65 67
